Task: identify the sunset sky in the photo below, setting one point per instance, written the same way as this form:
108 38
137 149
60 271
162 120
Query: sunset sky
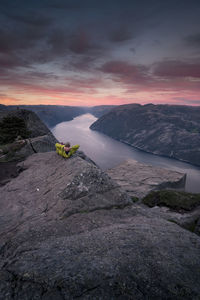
83 52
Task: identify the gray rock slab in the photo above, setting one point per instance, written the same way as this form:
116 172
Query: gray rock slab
68 231
139 179
49 180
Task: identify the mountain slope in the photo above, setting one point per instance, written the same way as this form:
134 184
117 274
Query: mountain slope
53 114
167 130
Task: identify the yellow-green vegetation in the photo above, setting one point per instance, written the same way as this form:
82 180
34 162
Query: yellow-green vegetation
173 199
11 127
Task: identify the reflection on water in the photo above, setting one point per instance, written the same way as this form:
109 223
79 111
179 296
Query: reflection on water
107 152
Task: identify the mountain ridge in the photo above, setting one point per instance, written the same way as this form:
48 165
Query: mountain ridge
168 130
54 114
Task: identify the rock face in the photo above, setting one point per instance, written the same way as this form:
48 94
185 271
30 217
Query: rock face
139 179
169 130
179 207
40 138
68 231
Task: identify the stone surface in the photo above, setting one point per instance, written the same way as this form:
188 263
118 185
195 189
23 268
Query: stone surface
68 231
169 130
27 147
179 207
139 179
40 138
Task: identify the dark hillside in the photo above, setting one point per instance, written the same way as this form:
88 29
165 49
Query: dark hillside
169 130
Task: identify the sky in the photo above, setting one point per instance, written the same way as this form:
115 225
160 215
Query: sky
92 52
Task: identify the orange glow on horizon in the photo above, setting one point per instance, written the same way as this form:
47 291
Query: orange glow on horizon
45 96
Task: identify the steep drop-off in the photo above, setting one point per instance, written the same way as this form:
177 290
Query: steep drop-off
168 130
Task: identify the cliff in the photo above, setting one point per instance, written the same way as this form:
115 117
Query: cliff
68 231
22 133
168 130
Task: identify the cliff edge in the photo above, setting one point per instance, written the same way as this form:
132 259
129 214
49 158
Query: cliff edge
68 231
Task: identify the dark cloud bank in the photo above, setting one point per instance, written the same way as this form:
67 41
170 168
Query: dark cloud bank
54 39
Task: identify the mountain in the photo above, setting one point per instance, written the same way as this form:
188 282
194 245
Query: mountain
54 114
169 130
100 110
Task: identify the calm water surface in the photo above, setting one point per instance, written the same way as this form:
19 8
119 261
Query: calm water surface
107 152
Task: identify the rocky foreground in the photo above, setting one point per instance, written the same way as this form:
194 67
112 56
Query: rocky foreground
68 231
169 130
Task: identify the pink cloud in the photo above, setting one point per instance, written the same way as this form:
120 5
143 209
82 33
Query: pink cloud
175 68
125 71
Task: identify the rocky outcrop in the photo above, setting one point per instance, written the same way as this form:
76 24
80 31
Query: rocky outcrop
179 207
40 138
139 179
168 130
68 231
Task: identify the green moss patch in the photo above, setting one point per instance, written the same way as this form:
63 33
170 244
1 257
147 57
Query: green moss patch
177 201
135 199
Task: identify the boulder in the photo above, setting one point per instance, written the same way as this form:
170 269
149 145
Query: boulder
19 150
68 231
139 179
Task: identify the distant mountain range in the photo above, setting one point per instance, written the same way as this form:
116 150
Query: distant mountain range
169 130
54 114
